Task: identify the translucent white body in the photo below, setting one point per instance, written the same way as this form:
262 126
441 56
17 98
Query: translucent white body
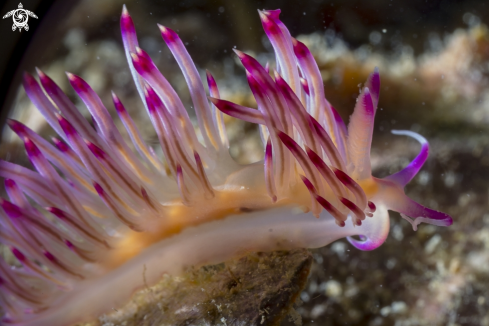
276 229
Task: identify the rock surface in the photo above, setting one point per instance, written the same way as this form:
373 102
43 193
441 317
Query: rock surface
258 289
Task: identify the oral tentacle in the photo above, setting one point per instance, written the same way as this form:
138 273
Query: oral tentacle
403 177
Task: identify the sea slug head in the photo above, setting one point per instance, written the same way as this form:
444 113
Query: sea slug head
97 205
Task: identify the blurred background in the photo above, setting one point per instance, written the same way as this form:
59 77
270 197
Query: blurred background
433 58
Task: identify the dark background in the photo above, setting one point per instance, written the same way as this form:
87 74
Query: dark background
215 26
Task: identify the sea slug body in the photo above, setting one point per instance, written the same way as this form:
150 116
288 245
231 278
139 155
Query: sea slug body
96 213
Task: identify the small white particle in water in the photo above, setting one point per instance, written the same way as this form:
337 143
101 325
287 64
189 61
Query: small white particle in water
221 9
339 248
430 246
375 37
318 258
398 307
450 179
384 31
481 300
463 200
318 310
333 289
385 311
397 232
391 263
305 296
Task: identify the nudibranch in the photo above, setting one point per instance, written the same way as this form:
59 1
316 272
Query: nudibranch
101 217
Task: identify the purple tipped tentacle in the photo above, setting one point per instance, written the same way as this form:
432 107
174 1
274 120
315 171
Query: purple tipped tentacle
282 44
120 211
360 131
67 151
393 198
42 237
37 271
355 188
238 111
339 217
13 232
359 214
278 105
68 109
373 84
70 169
130 42
404 176
328 146
196 88
301 117
32 183
342 136
317 102
72 224
218 117
123 180
109 132
328 175
161 132
135 135
283 160
269 176
150 73
303 160
117 191
42 103
181 150
421 214
59 186
16 195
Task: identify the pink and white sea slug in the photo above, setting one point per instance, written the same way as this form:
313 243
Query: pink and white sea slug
96 213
